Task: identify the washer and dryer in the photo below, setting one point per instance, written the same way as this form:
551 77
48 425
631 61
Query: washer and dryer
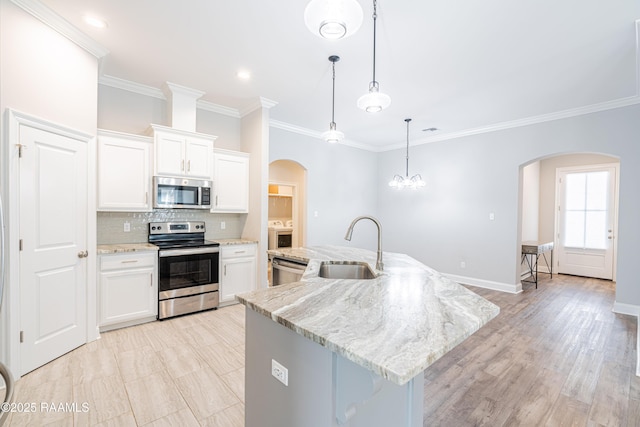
280 234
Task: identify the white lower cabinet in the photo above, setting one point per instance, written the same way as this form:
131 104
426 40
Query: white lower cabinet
237 271
128 286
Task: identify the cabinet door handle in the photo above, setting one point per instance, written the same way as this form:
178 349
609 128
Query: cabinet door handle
225 270
129 261
216 201
240 252
146 197
151 280
182 165
188 165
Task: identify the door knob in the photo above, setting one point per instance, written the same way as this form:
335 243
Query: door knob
83 254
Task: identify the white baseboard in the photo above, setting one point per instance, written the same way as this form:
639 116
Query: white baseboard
631 310
487 284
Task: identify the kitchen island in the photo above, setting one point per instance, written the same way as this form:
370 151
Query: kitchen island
354 350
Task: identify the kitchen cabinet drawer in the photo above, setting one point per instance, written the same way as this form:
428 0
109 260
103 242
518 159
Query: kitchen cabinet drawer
128 260
236 251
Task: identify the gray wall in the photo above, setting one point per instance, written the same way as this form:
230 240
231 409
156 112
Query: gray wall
341 185
467 178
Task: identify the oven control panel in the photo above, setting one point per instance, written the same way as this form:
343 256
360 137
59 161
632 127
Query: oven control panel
176 227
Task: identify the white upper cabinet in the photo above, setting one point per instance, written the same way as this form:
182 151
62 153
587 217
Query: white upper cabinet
124 172
183 154
231 181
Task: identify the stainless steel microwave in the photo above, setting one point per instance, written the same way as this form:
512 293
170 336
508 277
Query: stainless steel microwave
181 193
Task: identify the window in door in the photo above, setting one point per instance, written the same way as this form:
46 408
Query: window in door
586 210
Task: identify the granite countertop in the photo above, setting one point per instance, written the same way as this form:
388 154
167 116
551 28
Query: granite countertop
125 247
395 325
227 242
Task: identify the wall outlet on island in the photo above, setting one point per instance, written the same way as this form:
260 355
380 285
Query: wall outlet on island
280 372
223 225
127 227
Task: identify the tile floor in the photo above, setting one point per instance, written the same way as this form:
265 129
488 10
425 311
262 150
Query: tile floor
186 371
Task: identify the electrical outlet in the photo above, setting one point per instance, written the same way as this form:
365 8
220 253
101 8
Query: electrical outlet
223 225
127 227
492 216
280 372
463 264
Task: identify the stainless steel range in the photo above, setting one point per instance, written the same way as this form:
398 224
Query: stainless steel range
187 268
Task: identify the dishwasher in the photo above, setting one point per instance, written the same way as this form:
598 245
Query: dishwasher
286 271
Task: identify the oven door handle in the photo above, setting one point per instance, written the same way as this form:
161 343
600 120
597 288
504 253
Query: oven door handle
192 251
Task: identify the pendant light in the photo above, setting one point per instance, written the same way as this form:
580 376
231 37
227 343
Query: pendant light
333 19
374 100
399 182
333 135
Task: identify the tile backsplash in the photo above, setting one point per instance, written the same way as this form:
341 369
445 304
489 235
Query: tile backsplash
111 224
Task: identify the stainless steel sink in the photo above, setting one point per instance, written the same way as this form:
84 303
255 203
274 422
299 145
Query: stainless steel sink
346 270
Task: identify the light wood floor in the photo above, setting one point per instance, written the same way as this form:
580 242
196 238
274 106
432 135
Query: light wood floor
555 356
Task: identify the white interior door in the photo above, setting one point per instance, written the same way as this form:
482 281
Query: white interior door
53 233
587 220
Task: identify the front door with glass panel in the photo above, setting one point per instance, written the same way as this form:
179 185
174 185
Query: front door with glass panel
586 220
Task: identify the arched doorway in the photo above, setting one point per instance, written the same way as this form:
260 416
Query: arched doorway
540 215
288 198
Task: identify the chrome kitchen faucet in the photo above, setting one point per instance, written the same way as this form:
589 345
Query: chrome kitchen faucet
379 265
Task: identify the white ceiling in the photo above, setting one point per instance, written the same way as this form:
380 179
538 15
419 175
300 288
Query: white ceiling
456 65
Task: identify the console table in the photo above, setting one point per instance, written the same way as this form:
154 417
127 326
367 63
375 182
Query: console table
531 252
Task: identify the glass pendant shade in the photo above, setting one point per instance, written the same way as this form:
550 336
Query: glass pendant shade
332 135
374 100
400 182
333 19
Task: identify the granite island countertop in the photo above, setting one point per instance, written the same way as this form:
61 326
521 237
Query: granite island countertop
395 325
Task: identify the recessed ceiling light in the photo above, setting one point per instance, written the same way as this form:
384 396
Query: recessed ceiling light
244 75
94 21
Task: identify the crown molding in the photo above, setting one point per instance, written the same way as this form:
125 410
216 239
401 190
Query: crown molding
220 109
130 86
170 88
266 103
318 135
145 90
573 112
257 104
61 25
